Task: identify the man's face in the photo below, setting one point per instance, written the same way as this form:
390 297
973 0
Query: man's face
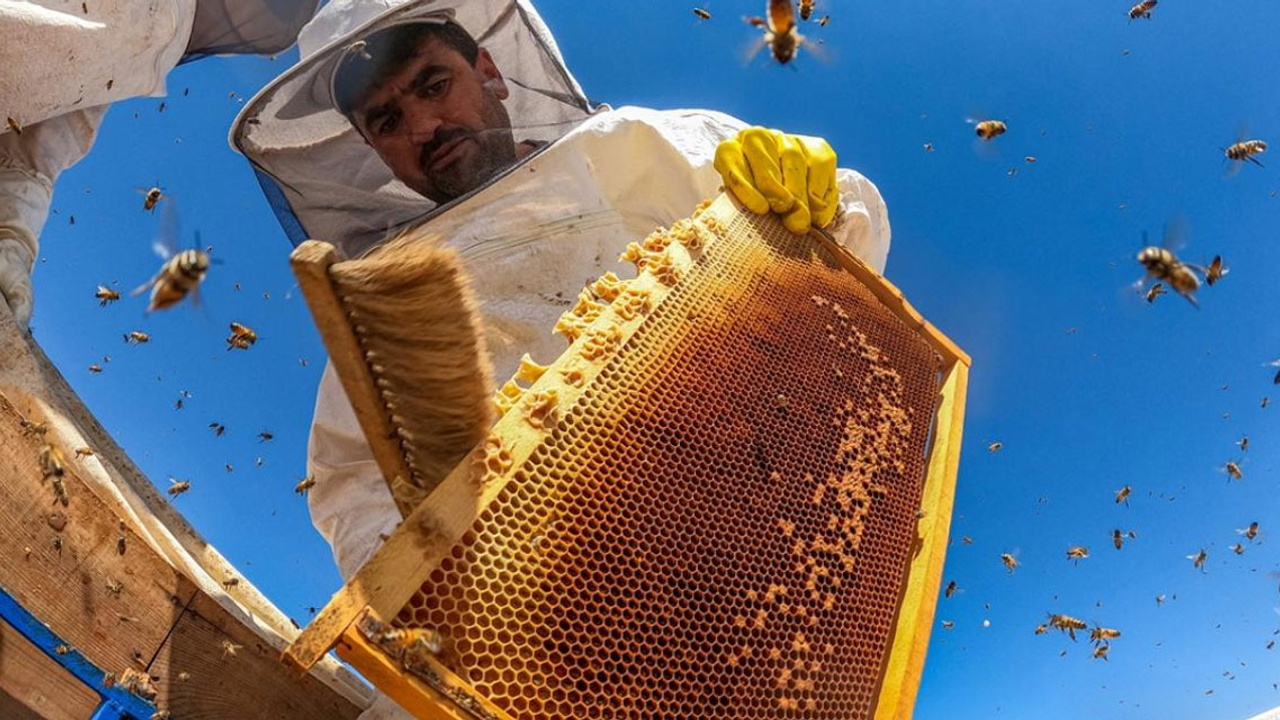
438 122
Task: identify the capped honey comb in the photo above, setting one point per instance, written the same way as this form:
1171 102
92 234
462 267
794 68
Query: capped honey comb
717 518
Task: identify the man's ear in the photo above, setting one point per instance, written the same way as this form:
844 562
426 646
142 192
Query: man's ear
490 76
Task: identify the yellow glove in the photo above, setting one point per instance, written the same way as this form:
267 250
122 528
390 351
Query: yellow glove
792 175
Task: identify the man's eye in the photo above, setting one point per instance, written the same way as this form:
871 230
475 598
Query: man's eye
435 89
387 125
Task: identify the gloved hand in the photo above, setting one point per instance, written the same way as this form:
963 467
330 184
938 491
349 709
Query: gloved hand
15 279
792 175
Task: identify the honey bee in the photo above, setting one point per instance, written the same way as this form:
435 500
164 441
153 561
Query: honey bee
995 447
62 649
1010 562
1030 159
122 545
1067 624
1197 560
780 32
1077 553
1243 442
33 429
1122 495
177 487
161 715
702 14
947 624
990 129
137 337
1215 271
182 271
966 540
95 368
218 428
1154 292
951 589
229 649
806 9
230 583
242 336
52 462
1101 652
14 125
928 147
106 295
84 451
1041 629
1159 599
306 484
1232 469
1163 265
1250 532
1246 150
1238 548
822 21
265 436
1100 635
1142 10
151 197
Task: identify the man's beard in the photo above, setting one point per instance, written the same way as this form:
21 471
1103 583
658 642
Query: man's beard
494 151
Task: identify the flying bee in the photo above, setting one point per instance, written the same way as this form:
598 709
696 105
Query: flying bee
1238 548
242 336
1101 652
1010 562
780 32
1243 442
1100 635
265 436
182 271
1154 292
989 129
806 9
229 649
951 589
1067 624
1142 10
177 487
1159 599
1197 560
84 451
995 447
309 482
1215 271
1117 538
948 624
1250 532
106 295
1246 150
1077 553
1163 265
218 428
14 125
95 368
1122 495
822 21
230 583
137 337
1041 629
151 197
702 14
52 461
1232 469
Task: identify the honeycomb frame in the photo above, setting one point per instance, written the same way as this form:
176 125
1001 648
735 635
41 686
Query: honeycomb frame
428 540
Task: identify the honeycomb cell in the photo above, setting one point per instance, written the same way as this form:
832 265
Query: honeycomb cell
718 526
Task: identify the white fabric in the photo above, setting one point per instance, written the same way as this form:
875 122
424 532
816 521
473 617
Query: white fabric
530 242
56 58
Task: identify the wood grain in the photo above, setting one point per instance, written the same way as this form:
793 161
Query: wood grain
33 686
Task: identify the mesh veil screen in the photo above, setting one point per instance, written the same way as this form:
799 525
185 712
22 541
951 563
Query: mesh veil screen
720 525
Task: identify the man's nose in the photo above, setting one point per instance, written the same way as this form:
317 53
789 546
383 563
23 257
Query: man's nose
421 124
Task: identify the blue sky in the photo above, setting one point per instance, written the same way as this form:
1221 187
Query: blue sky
1151 396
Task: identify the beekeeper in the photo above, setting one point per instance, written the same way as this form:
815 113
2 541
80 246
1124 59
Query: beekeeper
62 62
462 117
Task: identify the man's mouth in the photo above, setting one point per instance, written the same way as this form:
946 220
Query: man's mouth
447 154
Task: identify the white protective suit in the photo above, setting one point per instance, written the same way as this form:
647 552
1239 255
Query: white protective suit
62 62
530 240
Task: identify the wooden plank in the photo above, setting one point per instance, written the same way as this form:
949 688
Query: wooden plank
910 643
416 697
252 684
32 685
114 608
311 263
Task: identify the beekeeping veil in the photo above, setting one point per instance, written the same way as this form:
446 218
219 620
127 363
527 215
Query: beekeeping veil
323 180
